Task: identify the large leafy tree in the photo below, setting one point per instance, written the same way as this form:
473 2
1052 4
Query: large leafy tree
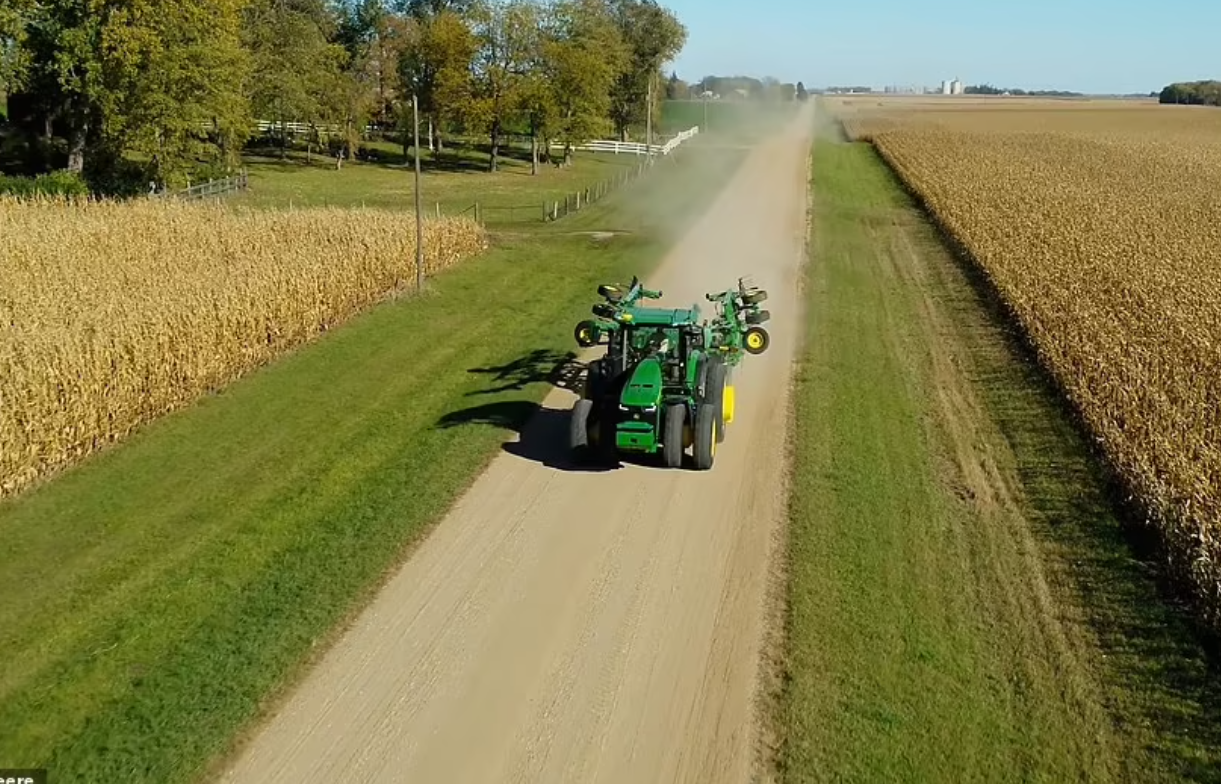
585 56
296 65
435 66
14 16
507 32
110 76
654 36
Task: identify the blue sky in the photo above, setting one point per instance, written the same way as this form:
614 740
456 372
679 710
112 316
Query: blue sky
1095 46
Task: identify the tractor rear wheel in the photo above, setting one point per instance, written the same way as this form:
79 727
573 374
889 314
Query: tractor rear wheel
705 436
578 425
672 439
714 394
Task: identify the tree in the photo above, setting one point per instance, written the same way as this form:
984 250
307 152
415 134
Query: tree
374 40
435 65
584 55
506 31
654 36
144 75
677 89
180 98
295 64
14 17
428 9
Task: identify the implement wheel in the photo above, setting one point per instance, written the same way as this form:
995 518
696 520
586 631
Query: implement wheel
705 436
672 446
756 340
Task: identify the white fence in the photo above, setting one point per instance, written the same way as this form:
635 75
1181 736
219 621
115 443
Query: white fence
597 145
633 148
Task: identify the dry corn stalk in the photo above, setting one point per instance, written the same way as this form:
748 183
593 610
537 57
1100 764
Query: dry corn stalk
112 314
1098 228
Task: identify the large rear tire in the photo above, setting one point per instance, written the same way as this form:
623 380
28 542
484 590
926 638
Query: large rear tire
578 426
705 436
672 447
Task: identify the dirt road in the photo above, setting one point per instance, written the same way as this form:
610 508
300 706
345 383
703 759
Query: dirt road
564 626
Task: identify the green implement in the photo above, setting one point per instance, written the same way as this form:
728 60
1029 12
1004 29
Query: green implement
665 382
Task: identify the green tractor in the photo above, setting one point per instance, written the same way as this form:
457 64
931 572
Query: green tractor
665 383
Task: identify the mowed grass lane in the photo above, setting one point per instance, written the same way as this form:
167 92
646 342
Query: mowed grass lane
155 596
962 603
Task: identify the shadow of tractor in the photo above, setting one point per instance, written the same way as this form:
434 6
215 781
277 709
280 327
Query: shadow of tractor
542 431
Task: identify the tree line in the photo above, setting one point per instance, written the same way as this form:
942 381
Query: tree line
94 85
987 89
1200 93
746 87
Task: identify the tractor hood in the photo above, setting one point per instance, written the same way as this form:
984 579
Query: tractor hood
644 386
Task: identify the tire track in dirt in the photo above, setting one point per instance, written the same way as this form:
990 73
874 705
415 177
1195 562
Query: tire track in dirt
563 626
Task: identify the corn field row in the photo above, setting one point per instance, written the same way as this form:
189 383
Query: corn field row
112 314
1102 238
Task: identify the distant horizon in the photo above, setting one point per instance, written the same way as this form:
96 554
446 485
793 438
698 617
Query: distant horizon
880 88
1091 47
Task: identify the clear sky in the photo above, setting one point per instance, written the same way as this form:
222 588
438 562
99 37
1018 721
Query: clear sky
1091 46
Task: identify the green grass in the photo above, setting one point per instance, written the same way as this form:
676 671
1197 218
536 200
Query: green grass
155 595
936 633
455 184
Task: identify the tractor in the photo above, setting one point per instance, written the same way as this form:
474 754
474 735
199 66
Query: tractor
664 383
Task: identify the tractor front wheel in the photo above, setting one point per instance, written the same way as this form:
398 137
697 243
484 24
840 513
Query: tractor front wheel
705 436
672 440
578 425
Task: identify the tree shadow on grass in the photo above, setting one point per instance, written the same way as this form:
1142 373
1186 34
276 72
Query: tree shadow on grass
462 158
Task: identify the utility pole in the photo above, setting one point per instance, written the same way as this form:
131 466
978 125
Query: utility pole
648 122
419 226
704 128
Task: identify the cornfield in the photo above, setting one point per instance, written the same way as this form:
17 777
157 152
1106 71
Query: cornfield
1098 226
112 314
